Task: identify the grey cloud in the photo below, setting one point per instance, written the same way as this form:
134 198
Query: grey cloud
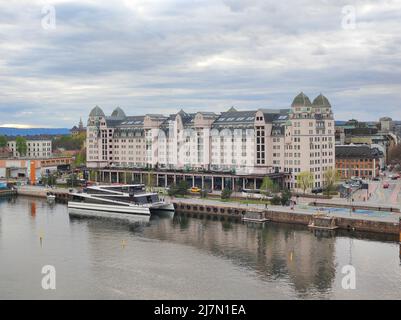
204 54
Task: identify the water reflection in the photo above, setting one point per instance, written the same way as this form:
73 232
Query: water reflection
272 251
183 257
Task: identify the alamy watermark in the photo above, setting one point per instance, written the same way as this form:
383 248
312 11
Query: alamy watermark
348 281
49 278
348 21
48 21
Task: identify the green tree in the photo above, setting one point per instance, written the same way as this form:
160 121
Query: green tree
276 200
92 175
72 180
3 142
285 197
69 142
183 187
226 194
173 191
267 186
80 158
203 194
330 177
179 189
305 180
49 180
21 146
150 180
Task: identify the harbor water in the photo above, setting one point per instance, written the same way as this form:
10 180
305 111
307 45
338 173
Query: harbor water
185 258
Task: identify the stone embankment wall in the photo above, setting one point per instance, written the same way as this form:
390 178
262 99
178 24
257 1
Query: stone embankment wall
223 212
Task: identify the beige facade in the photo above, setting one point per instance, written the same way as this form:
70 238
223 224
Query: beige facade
262 141
36 148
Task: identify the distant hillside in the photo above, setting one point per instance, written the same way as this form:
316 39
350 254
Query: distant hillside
33 131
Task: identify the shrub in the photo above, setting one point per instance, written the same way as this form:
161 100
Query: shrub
285 197
276 200
183 187
203 194
180 189
226 194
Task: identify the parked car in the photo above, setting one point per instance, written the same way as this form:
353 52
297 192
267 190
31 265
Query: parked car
386 185
376 179
195 190
317 190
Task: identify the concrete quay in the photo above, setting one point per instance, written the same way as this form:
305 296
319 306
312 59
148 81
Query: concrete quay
386 223
61 194
213 209
7 192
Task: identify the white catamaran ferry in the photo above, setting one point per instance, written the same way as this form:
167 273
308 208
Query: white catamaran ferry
129 199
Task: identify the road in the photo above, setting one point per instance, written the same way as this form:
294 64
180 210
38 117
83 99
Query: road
379 195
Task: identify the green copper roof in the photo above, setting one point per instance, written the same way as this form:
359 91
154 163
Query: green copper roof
321 101
301 100
96 112
118 113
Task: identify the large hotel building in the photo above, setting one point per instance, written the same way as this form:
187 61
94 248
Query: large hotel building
252 142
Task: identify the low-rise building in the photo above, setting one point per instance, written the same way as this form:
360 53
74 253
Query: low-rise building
20 169
37 147
358 161
5 153
371 134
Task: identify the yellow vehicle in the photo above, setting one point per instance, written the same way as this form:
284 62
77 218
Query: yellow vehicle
195 190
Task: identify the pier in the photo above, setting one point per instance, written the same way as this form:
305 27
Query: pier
61 194
7 193
232 212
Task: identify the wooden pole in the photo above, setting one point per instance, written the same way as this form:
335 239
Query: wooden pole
399 228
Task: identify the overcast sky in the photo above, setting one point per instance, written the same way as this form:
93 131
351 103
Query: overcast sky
158 56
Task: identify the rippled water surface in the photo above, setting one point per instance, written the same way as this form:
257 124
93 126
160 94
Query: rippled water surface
183 258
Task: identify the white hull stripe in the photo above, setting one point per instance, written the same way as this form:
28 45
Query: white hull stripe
109 208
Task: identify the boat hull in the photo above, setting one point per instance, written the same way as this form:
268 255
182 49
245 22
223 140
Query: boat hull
79 213
164 210
134 210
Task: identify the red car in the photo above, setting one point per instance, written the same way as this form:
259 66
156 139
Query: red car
386 185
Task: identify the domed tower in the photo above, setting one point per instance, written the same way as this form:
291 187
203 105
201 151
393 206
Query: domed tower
321 105
118 113
96 118
96 113
94 150
309 139
301 106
